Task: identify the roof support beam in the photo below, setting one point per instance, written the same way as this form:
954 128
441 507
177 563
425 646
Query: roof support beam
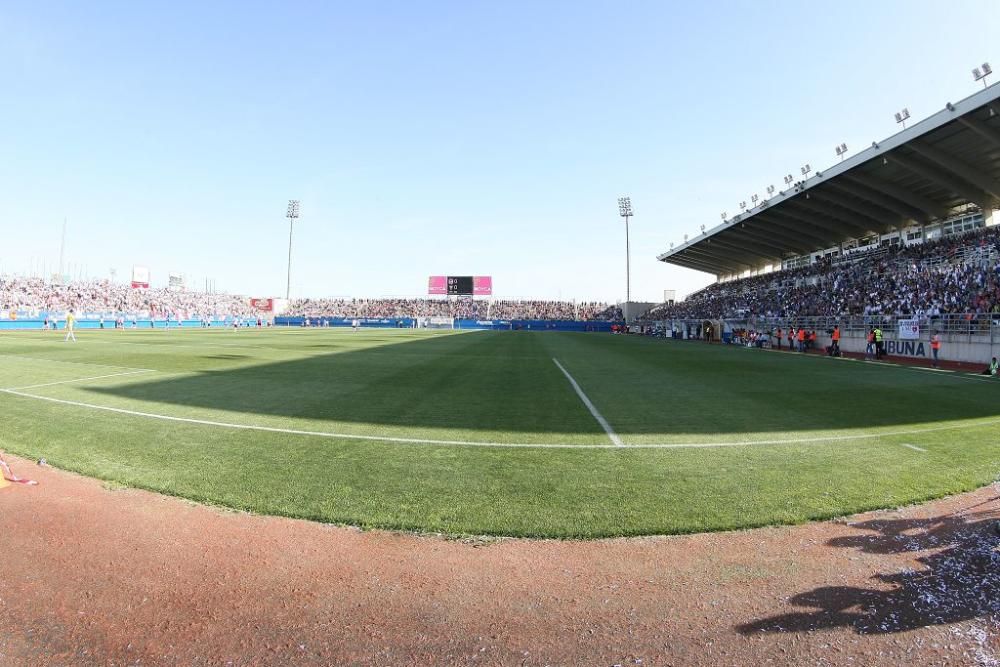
788 242
939 177
767 252
719 255
688 263
745 256
698 254
711 265
988 133
813 233
968 173
765 248
897 192
819 210
862 209
903 210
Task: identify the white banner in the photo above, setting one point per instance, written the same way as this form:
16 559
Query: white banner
909 329
140 277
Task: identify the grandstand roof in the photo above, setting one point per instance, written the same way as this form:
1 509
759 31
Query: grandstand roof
916 176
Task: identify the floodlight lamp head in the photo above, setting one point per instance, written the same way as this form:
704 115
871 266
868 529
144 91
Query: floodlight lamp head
987 70
976 74
899 117
624 206
723 215
293 209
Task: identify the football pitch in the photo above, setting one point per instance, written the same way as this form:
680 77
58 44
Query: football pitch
538 434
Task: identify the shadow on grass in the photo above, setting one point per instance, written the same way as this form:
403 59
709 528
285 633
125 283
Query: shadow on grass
503 381
959 580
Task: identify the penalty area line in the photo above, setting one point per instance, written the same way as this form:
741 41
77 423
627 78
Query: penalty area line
590 406
94 377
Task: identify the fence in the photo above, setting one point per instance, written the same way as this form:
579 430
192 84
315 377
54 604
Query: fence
973 338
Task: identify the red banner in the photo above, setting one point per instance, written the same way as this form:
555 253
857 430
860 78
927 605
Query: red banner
265 305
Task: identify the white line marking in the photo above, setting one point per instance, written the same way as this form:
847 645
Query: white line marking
75 363
95 377
590 406
914 447
525 445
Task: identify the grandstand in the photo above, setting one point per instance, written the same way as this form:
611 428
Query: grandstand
903 236
31 302
937 178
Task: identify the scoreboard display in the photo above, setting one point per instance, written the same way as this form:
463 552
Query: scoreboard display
460 285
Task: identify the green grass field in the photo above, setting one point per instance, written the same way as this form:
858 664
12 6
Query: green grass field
483 433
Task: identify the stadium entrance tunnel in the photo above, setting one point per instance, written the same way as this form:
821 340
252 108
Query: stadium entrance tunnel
489 384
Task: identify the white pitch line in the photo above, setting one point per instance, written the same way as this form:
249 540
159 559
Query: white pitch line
95 377
590 406
914 447
74 363
523 445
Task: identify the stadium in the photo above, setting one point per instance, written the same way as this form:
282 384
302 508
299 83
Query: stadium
795 464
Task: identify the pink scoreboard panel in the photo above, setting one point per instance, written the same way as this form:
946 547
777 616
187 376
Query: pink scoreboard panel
437 285
460 285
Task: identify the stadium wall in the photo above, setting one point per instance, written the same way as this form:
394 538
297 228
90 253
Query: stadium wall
109 324
971 349
497 325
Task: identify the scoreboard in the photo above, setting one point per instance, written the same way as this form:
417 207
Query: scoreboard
460 285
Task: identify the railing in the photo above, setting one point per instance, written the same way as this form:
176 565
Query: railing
956 327
856 255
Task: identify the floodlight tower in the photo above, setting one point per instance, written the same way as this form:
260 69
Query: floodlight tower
841 151
291 214
625 211
980 73
903 116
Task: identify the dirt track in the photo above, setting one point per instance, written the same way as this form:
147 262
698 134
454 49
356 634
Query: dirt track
96 576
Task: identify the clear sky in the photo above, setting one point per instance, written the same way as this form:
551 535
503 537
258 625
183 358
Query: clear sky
438 137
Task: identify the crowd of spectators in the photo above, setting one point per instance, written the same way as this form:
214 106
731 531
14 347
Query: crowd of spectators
31 297
388 308
957 274
462 308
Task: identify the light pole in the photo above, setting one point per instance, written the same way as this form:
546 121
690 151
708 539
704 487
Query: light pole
293 212
625 211
980 73
902 117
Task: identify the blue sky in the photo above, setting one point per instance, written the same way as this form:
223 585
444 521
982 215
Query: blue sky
438 137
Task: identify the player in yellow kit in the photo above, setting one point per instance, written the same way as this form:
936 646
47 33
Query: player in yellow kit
70 325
